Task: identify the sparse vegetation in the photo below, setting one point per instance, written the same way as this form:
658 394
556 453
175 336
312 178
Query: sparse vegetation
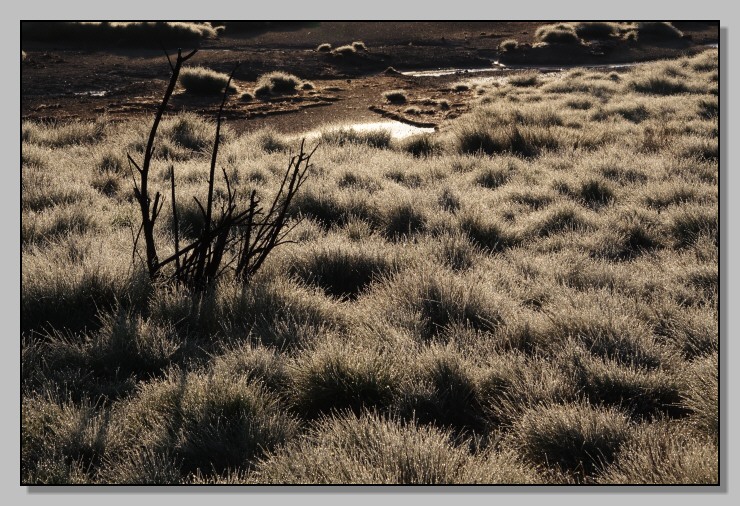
529 294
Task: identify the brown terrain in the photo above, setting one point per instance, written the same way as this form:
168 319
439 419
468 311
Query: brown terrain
81 80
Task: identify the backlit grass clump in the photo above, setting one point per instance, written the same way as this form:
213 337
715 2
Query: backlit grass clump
203 80
529 294
561 33
280 83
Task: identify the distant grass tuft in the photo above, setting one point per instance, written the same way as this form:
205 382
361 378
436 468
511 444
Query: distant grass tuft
277 83
203 80
395 96
524 79
508 45
347 50
562 33
657 30
590 30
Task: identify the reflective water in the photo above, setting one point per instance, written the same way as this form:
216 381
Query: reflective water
95 93
397 129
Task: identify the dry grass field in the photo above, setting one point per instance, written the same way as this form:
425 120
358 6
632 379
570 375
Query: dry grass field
528 295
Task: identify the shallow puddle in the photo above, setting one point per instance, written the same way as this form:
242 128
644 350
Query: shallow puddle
398 130
497 67
95 93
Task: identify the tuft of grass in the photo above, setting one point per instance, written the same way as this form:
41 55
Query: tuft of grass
331 379
323 48
277 83
641 393
631 234
430 300
211 422
342 271
576 439
445 394
495 130
380 138
595 192
359 45
663 453
562 33
372 449
688 224
508 45
347 50
395 96
524 79
66 134
590 30
493 177
657 30
60 441
701 396
202 80
658 84
558 218
403 220
421 145
487 232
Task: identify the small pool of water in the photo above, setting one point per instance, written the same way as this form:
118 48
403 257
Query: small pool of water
94 93
450 72
498 67
398 130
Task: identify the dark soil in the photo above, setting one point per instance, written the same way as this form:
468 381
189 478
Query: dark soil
65 80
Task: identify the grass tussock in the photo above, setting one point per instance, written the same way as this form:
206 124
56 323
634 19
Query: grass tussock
596 30
203 80
664 453
372 450
395 96
508 45
562 33
657 31
279 83
578 439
